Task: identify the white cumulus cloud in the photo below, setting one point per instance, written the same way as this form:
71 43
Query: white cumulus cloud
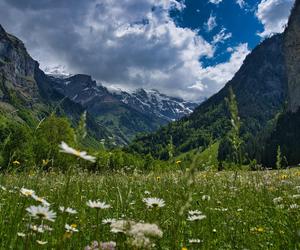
122 44
273 14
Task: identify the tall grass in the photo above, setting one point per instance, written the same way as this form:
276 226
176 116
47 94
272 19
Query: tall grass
241 212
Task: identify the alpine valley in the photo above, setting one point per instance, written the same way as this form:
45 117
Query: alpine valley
28 95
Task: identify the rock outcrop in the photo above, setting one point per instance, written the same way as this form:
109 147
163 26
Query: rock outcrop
292 58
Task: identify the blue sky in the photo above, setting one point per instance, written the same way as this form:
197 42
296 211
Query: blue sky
185 48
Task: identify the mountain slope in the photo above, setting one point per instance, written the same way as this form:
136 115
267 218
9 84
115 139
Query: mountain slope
27 94
124 114
287 133
260 89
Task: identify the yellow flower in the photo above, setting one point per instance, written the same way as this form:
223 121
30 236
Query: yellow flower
257 229
16 162
158 178
178 162
283 177
184 248
260 229
45 162
297 173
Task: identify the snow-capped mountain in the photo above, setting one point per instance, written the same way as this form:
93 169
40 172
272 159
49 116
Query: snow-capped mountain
124 113
155 103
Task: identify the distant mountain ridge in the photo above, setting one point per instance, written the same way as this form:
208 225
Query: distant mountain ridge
124 114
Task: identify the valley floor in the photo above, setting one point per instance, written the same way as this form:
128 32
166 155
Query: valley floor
197 210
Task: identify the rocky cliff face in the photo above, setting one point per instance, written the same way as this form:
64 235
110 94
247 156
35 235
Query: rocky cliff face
16 69
292 57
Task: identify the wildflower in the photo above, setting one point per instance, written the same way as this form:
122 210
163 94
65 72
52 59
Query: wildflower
184 248
277 200
178 162
205 197
257 229
21 235
158 178
283 177
195 241
71 228
27 192
38 229
147 192
16 162
97 204
111 245
294 206
194 212
120 226
41 242
68 210
108 221
94 246
154 202
68 150
196 217
41 212
145 229
45 162
41 200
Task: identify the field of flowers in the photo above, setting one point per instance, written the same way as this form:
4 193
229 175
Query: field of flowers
178 210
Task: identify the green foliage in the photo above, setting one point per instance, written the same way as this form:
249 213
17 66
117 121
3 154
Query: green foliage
16 144
230 148
278 158
48 135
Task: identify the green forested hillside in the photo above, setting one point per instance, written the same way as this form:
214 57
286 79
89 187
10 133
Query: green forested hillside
260 89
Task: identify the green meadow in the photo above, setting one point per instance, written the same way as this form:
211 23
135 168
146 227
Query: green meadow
196 210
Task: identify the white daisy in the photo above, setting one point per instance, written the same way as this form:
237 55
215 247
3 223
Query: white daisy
196 217
194 212
27 192
205 197
154 202
68 210
41 200
68 150
41 212
21 235
98 204
40 242
71 228
277 200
